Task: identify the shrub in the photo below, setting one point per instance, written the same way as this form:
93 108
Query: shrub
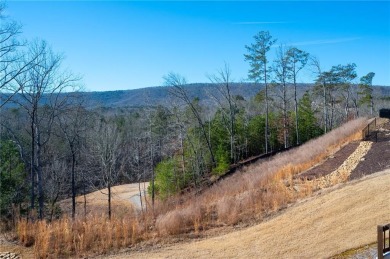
222 160
169 178
11 178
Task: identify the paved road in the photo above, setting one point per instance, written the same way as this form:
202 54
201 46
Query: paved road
135 199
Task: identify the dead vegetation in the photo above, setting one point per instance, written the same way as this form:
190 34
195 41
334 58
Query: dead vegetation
253 193
66 238
337 219
260 189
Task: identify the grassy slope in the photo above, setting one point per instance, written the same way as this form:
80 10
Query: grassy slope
261 242
319 227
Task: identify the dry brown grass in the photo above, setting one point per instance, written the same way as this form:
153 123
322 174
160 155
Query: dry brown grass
65 238
253 193
260 189
318 227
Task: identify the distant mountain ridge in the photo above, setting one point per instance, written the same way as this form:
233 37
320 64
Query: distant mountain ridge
159 95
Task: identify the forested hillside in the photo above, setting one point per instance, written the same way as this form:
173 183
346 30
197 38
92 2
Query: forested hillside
159 95
154 96
58 142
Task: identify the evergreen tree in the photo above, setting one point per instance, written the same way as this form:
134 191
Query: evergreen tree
257 57
367 91
12 176
308 127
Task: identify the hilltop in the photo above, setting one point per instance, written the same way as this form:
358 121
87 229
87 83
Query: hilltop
159 95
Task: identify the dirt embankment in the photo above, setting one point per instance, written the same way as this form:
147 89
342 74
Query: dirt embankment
319 227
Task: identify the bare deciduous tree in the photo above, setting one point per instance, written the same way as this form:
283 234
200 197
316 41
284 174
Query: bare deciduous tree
282 70
226 103
177 88
322 84
41 88
72 125
105 153
298 60
13 62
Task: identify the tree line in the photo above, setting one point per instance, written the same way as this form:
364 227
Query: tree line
52 147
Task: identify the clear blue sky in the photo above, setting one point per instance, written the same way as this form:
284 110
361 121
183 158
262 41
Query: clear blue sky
127 44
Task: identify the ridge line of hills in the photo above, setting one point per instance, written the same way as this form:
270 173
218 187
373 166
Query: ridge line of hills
159 95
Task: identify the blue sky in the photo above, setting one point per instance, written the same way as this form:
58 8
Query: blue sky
130 44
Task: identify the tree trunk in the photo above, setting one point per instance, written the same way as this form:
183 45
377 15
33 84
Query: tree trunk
372 106
139 177
153 189
152 162
325 109
332 114
285 133
32 169
296 109
204 133
39 173
347 105
182 155
208 144
40 183
109 199
85 199
140 195
73 184
52 206
146 200
232 121
232 155
266 109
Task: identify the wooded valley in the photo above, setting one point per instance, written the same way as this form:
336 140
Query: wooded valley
58 143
